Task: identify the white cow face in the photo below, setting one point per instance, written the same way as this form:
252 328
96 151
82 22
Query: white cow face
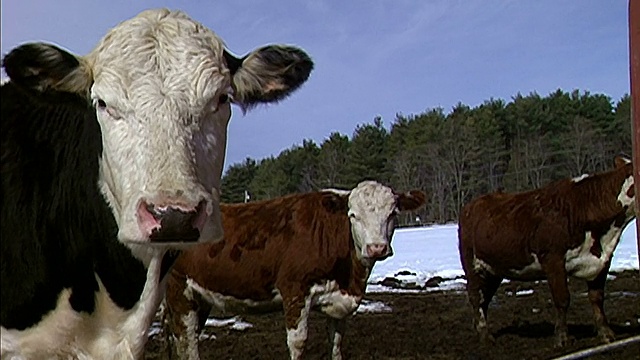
372 210
627 196
162 86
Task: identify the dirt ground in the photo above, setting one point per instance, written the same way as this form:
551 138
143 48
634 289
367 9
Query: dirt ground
437 325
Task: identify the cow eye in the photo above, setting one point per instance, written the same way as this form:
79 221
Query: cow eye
224 98
100 104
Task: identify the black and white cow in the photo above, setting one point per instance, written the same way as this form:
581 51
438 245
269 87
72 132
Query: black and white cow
109 162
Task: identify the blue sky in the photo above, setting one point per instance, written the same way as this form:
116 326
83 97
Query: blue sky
374 57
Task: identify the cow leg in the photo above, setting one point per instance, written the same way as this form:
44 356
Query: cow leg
335 329
181 321
596 297
481 289
557 277
296 314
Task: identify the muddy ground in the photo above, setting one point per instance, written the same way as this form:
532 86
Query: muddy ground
437 325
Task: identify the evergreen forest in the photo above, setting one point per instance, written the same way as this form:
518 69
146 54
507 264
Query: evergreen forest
452 156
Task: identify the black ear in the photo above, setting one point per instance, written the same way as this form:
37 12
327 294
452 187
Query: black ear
411 201
334 203
39 65
268 74
233 63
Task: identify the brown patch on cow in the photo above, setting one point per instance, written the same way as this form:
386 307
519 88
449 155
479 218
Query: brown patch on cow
236 253
216 249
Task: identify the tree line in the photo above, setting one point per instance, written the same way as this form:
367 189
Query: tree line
511 146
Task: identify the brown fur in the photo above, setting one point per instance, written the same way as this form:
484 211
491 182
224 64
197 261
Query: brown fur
504 230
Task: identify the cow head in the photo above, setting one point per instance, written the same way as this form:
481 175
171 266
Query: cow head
161 85
372 209
627 195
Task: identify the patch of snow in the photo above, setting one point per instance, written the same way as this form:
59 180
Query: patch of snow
234 323
368 306
428 253
205 336
524 292
154 329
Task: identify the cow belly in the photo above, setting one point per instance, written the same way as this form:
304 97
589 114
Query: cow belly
104 334
326 297
225 305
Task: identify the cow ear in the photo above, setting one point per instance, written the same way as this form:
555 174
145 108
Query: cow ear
41 66
411 201
268 74
621 160
334 203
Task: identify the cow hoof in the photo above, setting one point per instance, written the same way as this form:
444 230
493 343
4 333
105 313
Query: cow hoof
562 340
487 339
606 334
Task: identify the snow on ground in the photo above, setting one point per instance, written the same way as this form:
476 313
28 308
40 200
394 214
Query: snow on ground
431 254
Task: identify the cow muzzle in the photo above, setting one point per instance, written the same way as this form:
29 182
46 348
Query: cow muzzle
171 222
378 251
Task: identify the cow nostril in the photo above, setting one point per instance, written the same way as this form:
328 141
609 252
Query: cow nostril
375 250
154 211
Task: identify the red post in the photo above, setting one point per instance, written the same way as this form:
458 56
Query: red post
634 62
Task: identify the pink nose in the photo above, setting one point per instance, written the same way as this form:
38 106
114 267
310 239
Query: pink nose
171 222
377 250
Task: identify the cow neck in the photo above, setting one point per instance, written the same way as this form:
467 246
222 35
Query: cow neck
595 199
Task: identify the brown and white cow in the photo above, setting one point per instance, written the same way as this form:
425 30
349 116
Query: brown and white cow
568 228
301 252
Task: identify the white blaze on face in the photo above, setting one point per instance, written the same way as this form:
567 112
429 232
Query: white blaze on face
372 209
160 91
624 198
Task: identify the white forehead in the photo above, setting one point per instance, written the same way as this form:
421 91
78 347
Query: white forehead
372 197
159 54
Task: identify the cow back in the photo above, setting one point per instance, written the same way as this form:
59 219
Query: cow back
271 243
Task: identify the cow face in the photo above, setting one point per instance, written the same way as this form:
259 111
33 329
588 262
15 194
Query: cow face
161 85
627 195
372 212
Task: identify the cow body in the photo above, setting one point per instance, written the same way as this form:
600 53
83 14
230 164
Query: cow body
111 162
299 252
568 228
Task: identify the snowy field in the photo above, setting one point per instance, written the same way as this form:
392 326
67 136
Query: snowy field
424 253
430 254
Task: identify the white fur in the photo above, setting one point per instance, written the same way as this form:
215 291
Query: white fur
190 321
329 299
577 179
164 132
227 304
480 266
108 333
531 271
370 207
623 198
335 328
581 263
297 337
